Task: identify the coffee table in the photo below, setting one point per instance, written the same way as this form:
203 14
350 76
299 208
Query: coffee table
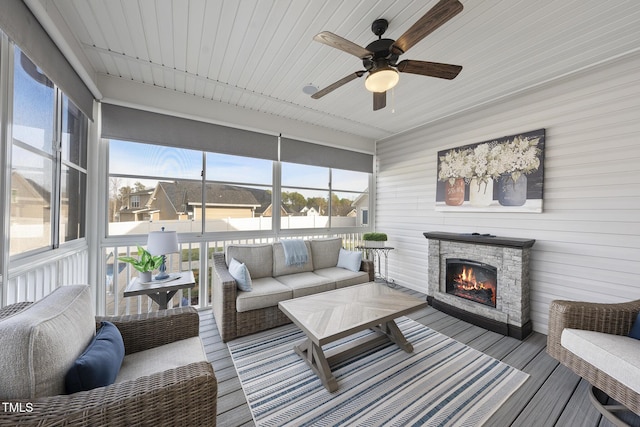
332 315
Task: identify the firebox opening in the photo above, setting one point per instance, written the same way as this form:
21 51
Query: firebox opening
472 280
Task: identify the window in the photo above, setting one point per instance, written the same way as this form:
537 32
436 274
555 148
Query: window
151 186
48 162
320 197
238 193
73 182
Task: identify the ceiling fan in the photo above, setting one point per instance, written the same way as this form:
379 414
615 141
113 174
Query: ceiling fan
380 58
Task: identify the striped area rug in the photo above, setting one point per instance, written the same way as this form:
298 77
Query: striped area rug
442 383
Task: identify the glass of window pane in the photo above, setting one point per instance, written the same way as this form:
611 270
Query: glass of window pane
228 168
149 160
72 198
31 201
33 105
74 134
231 207
298 175
313 213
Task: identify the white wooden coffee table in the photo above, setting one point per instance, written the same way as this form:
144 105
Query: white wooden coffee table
332 315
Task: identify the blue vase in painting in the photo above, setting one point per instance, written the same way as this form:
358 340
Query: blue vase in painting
512 192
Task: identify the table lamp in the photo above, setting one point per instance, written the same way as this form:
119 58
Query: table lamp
162 243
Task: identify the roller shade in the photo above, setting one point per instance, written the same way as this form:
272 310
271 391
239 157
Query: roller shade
17 21
294 151
130 124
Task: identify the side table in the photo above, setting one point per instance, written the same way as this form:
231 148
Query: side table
161 291
375 254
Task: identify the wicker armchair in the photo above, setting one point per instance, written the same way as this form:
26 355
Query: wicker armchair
185 395
606 318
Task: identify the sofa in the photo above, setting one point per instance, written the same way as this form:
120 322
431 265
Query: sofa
160 376
239 312
592 339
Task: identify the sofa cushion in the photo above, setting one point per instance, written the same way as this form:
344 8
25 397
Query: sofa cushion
349 260
325 252
100 363
162 358
257 258
40 344
280 268
240 273
267 292
306 283
616 355
343 277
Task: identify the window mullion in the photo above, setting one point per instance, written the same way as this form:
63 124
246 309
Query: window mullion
57 170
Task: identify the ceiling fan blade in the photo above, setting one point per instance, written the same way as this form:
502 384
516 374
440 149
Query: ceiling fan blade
343 44
379 100
432 20
336 85
431 69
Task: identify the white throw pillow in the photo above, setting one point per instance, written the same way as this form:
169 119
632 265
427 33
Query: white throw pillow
349 260
240 273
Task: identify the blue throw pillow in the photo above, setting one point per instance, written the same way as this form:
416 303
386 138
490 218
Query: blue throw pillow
100 363
349 260
635 328
240 273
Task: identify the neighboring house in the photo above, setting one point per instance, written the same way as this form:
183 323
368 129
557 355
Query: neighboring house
182 200
309 211
29 200
136 206
361 206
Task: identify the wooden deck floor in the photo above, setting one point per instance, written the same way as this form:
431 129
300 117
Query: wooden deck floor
552 396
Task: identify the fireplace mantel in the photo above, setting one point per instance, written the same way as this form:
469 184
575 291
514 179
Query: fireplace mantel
481 239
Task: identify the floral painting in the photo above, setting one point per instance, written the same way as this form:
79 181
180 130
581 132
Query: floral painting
505 174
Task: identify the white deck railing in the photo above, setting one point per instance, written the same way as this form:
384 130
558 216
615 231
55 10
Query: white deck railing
32 279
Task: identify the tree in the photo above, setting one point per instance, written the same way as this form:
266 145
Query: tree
294 201
138 186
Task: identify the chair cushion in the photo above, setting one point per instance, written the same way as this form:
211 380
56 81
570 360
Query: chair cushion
240 273
40 344
616 355
257 258
267 292
100 363
162 358
308 283
325 252
350 260
343 277
280 267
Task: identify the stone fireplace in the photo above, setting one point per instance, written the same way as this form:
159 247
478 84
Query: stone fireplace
481 279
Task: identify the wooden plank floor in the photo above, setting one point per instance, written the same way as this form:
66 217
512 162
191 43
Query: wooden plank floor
552 396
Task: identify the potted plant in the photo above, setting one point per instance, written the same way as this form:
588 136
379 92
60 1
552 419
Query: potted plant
145 263
374 240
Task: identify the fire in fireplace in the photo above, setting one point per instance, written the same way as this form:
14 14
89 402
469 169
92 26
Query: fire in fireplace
475 281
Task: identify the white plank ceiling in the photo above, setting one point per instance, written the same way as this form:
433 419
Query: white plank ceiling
258 54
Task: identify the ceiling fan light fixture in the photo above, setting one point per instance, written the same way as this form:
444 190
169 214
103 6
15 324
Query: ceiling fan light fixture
382 79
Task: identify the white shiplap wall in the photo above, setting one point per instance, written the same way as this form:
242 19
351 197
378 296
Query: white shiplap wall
588 236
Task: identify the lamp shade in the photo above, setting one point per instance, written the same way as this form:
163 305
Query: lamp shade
382 80
162 242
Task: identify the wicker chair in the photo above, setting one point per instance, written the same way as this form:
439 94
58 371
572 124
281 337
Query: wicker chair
606 318
185 395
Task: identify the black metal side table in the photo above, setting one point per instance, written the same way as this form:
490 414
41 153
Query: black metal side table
376 254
